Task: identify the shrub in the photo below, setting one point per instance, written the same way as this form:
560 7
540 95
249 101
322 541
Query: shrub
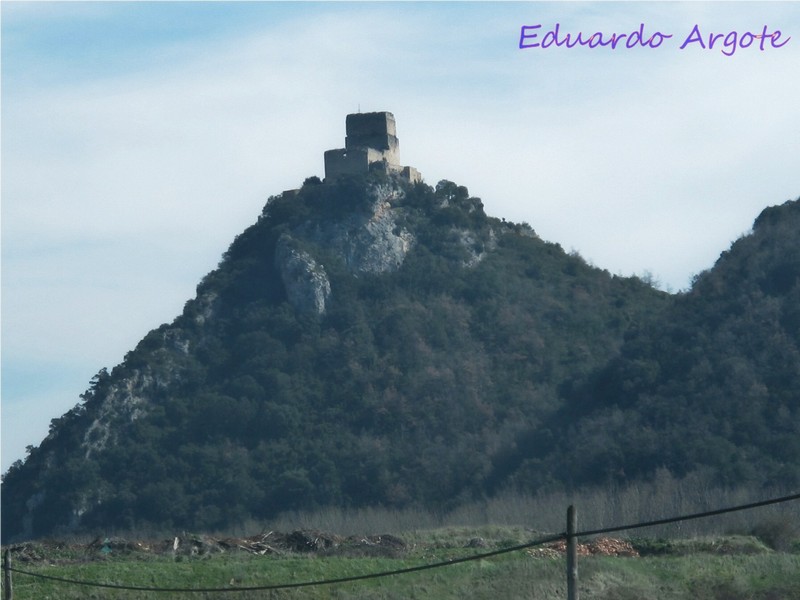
778 532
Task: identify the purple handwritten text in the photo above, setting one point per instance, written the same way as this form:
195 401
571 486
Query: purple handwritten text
533 36
554 37
732 40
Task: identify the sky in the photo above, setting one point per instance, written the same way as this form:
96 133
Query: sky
138 139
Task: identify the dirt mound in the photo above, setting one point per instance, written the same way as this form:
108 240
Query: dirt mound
598 547
301 541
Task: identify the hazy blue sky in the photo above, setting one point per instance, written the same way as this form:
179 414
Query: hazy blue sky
139 138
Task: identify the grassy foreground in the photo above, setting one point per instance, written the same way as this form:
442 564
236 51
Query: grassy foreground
737 568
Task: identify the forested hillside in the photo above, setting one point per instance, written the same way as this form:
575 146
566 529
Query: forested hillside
713 385
376 342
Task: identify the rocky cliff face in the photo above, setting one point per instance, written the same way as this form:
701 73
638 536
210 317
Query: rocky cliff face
125 401
368 241
306 282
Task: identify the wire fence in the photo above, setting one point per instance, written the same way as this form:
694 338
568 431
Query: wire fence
424 567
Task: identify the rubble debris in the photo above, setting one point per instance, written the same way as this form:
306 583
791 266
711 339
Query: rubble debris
597 547
303 541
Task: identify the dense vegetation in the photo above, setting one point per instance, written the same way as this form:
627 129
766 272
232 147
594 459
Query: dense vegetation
444 381
714 385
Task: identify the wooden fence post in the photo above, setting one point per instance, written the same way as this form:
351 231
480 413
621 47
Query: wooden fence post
8 592
572 554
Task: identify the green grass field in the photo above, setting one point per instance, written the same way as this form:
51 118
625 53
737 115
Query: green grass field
722 568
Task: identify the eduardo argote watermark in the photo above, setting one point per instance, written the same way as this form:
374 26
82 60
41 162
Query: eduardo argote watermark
534 36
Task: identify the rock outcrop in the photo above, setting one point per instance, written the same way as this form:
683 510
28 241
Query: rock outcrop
305 280
369 241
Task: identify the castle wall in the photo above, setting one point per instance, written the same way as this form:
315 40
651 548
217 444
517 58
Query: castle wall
371 138
374 130
344 162
411 174
363 126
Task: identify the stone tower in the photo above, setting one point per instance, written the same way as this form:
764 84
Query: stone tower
371 138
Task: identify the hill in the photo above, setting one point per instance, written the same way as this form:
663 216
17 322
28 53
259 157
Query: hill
712 385
373 341
370 341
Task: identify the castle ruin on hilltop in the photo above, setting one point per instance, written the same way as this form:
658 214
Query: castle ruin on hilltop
371 140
